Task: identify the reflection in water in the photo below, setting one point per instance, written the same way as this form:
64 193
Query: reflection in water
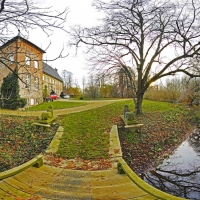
180 174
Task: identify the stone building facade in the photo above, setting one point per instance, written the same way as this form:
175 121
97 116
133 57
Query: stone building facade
27 58
51 79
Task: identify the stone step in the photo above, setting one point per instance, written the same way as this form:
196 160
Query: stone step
56 183
8 192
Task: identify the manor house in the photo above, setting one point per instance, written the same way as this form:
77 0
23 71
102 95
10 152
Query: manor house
34 75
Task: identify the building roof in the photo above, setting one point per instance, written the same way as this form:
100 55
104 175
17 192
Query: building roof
51 71
24 40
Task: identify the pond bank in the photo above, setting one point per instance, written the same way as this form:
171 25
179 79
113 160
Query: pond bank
179 174
161 134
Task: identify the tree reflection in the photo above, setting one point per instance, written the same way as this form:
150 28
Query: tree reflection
179 178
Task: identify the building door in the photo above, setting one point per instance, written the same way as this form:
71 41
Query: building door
32 102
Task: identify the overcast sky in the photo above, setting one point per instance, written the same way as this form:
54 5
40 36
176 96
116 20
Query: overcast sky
80 12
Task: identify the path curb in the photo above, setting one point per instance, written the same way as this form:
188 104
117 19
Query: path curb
53 147
115 151
35 162
124 168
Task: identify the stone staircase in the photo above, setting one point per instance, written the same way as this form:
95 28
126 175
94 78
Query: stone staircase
49 182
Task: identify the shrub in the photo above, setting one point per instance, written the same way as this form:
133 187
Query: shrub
13 104
10 97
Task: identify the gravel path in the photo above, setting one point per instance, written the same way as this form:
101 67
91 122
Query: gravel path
89 105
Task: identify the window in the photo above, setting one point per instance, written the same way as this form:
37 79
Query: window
28 81
27 60
43 77
36 83
11 57
36 64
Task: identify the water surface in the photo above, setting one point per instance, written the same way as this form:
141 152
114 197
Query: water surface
180 173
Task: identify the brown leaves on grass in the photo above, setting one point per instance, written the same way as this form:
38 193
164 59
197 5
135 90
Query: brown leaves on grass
54 160
116 151
160 136
20 141
78 163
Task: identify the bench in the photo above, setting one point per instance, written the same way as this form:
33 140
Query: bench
134 127
42 125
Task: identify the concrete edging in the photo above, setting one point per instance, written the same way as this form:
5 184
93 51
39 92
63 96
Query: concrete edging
53 147
124 168
36 162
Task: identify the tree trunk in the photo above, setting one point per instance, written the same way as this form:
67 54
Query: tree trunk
138 104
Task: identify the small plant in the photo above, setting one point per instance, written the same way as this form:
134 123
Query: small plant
157 147
132 137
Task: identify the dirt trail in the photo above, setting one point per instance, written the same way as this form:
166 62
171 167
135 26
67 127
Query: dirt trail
89 105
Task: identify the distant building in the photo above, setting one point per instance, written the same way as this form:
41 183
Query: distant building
51 79
27 58
122 83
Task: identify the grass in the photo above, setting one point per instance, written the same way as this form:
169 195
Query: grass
56 105
155 106
87 133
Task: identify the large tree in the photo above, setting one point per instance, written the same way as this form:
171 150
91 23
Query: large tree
153 38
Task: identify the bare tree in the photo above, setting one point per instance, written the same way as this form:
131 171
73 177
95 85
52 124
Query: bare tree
93 87
83 85
168 90
191 93
154 38
67 77
26 15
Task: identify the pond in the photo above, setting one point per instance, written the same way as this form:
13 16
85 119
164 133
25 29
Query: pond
179 175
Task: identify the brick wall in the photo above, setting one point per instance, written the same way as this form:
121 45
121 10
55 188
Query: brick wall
20 51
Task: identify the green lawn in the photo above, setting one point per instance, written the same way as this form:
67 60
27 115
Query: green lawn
56 105
86 134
